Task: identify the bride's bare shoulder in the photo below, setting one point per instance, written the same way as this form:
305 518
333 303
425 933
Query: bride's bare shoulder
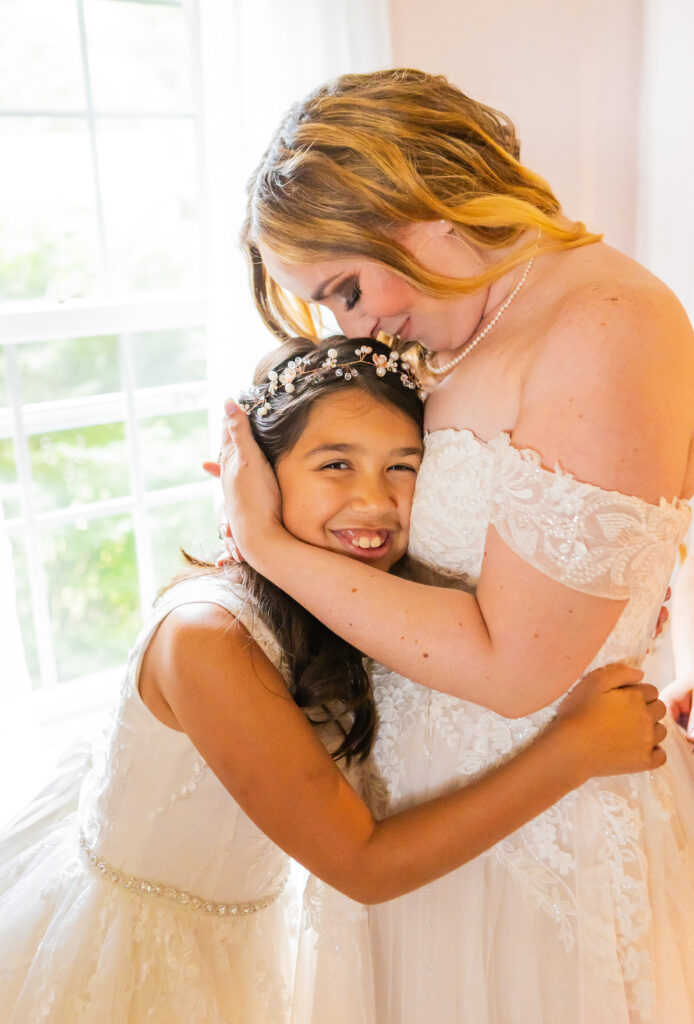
610 391
614 304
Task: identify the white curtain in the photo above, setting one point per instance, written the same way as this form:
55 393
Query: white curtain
19 732
259 57
666 215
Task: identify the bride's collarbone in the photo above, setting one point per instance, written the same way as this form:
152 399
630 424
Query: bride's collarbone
483 397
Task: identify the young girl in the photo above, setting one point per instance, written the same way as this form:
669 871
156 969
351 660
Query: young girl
163 899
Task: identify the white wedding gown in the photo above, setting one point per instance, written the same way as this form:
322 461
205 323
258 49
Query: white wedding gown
586 914
159 901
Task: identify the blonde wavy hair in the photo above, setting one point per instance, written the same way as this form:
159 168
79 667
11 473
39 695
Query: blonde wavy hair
364 156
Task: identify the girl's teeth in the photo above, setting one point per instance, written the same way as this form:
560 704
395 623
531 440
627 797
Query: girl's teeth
368 542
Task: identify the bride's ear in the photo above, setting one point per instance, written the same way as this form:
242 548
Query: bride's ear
422 232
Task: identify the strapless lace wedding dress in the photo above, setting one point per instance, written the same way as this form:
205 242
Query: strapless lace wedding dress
159 901
586 914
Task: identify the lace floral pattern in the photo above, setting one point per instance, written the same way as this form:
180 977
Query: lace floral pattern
87 943
598 542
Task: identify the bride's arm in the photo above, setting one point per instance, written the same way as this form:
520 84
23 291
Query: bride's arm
523 638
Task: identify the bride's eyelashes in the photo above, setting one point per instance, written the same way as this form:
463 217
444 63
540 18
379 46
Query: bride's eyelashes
353 293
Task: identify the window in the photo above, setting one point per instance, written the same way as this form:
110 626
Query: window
103 367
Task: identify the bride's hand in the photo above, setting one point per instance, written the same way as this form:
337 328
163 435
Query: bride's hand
617 718
251 495
677 697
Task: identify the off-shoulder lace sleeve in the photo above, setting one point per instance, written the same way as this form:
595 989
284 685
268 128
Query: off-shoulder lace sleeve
600 542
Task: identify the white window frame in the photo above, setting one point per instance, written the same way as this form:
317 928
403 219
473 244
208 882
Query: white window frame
101 314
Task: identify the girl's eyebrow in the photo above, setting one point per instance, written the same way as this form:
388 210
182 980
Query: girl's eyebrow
345 447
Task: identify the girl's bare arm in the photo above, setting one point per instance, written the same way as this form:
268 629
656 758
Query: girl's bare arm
203 674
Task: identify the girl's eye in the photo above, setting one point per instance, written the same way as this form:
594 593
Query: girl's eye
338 464
405 466
354 296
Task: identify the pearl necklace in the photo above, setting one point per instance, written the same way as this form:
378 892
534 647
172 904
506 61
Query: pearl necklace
439 370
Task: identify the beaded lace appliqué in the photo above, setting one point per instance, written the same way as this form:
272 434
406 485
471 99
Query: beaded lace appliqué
602 543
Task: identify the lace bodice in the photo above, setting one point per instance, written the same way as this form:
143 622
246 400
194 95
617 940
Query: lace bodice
154 809
599 542
602 543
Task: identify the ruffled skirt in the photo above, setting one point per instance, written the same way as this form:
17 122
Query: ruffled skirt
583 916
75 948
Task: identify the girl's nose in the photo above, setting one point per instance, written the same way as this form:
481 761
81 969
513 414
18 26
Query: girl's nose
370 494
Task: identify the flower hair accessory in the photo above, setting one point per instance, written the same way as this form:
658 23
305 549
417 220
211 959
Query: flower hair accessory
300 372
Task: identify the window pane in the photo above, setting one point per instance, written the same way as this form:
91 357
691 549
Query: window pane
151 42
4 394
48 239
190 525
68 368
9 485
23 606
172 448
10 504
93 594
169 357
41 64
150 192
81 465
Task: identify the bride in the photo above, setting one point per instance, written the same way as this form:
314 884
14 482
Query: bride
559 451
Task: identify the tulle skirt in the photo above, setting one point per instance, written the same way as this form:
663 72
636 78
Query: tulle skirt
75 948
583 916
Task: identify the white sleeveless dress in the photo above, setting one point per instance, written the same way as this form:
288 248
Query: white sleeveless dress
159 901
586 914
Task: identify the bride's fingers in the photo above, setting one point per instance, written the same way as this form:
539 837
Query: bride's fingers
662 619
212 468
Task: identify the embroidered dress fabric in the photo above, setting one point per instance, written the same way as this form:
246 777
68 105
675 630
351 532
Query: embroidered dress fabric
79 944
586 914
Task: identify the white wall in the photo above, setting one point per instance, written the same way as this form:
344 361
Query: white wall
567 71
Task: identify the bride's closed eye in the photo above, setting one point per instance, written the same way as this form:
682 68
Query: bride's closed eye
352 292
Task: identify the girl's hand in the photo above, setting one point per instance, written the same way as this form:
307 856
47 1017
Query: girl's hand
616 721
251 495
677 697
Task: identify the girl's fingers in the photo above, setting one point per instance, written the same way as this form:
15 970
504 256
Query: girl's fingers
657 710
659 733
648 692
658 758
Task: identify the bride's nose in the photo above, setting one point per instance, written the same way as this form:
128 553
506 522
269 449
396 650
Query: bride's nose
354 324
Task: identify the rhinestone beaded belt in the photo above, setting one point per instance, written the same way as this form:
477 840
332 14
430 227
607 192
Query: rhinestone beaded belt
179 897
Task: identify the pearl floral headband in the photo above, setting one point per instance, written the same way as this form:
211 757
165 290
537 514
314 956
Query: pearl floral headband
300 371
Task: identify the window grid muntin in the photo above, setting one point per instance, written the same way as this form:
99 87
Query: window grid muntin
31 523
44 320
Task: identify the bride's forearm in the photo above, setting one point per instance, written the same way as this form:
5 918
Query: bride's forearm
441 638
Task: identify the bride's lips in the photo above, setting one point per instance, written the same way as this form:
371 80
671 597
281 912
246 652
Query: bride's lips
382 541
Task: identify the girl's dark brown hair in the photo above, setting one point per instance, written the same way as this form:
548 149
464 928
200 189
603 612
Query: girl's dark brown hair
326 675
